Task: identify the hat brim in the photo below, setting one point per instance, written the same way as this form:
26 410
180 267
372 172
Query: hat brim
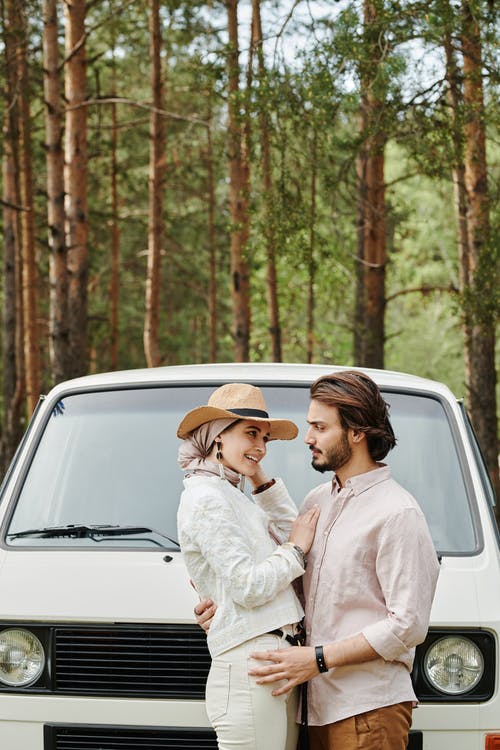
279 429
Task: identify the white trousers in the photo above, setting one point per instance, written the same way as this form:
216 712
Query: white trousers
246 716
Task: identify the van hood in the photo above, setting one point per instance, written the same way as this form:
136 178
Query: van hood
94 586
154 586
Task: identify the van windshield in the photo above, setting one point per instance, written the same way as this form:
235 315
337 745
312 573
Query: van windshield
108 459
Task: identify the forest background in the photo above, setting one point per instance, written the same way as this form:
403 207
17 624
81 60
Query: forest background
302 181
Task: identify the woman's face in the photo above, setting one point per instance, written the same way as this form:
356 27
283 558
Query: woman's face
244 446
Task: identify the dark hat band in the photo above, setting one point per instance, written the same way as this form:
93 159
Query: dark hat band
249 413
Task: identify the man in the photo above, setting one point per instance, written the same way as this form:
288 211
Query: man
369 581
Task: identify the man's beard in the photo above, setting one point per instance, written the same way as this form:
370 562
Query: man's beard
335 457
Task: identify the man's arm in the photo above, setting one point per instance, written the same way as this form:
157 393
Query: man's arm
298 664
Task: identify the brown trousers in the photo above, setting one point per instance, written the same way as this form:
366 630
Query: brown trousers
381 729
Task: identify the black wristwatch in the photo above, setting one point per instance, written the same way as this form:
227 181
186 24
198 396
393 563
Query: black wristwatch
320 659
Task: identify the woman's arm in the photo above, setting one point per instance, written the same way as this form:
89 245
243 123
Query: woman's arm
213 525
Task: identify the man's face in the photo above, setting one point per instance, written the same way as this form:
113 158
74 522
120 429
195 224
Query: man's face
326 438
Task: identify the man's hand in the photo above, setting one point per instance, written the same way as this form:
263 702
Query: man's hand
204 613
295 665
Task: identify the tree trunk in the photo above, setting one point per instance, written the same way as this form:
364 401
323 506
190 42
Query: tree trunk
212 267
76 184
58 325
311 261
28 259
114 282
267 186
359 333
482 269
455 99
238 196
12 366
371 213
156 191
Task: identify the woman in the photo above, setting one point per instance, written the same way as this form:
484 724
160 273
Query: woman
243 555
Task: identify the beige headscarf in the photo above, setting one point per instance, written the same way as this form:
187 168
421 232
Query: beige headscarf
194 450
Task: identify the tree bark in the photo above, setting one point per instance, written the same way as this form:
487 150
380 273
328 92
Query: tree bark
76 179
481 264
58 324
359 332
12 359
238 196
456 105
31 337
371 213
267 186
156 193
114 282
311 261
212 261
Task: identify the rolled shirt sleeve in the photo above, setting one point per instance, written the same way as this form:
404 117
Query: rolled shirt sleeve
407 569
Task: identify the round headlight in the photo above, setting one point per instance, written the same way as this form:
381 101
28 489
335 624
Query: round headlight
454 665
22 658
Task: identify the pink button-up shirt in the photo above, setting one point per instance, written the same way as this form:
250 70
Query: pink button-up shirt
372 569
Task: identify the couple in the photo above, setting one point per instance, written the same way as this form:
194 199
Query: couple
361 544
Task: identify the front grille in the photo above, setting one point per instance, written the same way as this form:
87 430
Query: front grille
163 661
65 737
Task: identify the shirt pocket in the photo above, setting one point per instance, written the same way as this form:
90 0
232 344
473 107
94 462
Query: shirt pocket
217 690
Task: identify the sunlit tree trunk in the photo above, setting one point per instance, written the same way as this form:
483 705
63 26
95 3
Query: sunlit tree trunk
212 261
456 107
481 264
76 179
114 282
267 185
311 260
12 354
58 326
156 193
238 196
16 12
371 213
359 332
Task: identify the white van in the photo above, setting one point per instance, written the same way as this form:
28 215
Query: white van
98 647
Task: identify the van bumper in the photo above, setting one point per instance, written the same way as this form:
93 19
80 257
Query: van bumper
53 716
24 719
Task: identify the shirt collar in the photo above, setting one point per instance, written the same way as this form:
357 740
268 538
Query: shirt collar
362 482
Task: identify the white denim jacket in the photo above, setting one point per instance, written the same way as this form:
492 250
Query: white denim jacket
232 559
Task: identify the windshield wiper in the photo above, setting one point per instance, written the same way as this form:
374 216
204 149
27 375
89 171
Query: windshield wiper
81 531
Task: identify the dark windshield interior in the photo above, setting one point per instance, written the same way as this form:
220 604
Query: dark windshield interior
109 457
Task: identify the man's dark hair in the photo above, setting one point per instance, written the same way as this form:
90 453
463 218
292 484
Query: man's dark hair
360 406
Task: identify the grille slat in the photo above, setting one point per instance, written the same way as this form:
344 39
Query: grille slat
126 738
164 661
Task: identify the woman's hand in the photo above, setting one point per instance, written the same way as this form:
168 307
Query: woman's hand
204 613
304 528
259 477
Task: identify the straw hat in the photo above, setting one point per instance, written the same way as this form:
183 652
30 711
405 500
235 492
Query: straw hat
240 400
